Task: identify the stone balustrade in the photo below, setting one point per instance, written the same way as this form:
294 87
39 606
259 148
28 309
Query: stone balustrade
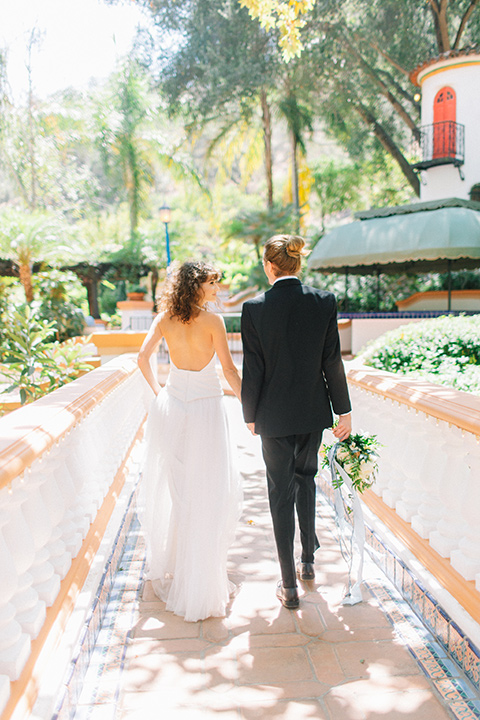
60 455
58 459
429 466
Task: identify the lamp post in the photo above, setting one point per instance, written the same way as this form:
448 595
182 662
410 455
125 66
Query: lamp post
165 217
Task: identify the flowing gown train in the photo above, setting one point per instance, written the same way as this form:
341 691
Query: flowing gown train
190 494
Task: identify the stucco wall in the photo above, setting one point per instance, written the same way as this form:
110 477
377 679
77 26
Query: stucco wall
461 73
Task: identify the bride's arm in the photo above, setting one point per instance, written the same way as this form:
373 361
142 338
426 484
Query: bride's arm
149 345
220 344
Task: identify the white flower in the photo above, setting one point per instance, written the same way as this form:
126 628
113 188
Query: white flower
366 469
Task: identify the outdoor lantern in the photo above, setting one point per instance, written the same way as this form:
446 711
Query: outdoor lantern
165 217
165 214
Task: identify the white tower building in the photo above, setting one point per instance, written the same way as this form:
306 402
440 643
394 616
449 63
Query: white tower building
450 134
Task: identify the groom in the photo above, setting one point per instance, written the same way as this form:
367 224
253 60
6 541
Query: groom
292 376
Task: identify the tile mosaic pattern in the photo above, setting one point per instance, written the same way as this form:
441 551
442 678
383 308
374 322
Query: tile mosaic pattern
443 651
456 691
93 679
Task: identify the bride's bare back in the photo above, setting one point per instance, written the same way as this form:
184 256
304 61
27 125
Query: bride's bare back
191 346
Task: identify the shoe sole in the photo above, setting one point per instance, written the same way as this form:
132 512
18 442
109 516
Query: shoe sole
289 604
304 576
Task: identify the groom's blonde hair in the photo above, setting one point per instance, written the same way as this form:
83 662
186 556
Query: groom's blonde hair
285 252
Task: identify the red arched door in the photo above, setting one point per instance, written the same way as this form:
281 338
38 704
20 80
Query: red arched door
444 123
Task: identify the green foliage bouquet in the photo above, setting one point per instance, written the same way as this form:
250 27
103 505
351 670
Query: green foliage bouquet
357 457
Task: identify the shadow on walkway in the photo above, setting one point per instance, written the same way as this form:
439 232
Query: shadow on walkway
323 661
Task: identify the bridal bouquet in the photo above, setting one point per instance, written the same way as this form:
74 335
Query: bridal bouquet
352 464
357 456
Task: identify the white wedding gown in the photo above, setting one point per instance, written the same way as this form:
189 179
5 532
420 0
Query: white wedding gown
190 494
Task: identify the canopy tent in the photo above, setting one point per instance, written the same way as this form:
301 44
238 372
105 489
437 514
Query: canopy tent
436 236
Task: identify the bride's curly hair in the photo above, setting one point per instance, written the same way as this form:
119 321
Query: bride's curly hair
182 291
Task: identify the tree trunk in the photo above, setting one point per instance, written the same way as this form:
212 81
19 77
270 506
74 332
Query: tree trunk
396 104
91 284
34 37
465 19
267 137
25 273
132 191
295 192
154 282
439 12
389 144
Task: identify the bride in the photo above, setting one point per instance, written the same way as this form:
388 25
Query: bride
190 489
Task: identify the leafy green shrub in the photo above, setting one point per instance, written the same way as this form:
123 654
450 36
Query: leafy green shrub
30 361
68 321
114 321
444 350
232 323
108 301
56 306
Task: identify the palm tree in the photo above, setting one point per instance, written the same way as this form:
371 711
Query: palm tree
132 148
29 238
98 239
298 118
256 226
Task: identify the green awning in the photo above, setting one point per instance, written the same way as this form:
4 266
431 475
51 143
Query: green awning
413 238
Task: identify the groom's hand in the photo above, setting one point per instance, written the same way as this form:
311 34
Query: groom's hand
344 427
251 427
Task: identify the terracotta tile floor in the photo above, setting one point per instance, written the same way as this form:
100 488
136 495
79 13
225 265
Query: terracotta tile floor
323 661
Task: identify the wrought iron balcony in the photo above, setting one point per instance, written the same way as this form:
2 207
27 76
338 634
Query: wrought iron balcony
442 143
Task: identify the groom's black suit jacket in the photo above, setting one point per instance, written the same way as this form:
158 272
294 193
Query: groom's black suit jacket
292 369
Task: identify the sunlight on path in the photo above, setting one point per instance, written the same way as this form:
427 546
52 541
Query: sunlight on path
324 661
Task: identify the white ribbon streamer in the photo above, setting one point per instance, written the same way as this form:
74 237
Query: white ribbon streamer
348 535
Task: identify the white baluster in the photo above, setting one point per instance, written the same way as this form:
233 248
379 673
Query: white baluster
466 559
29 609
4 692
14 644
71 535
54 501
432 506
395 453
413 453
450 528
371 414
45 581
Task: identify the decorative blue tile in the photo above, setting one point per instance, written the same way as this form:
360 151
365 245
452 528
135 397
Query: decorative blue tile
464 710
430 612
408 585
102 626
471 664
456 643
442 627
390 566
418 599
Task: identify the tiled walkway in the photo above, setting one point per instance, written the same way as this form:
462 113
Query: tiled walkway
323 661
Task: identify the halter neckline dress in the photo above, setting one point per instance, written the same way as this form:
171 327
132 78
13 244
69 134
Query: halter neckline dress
190 494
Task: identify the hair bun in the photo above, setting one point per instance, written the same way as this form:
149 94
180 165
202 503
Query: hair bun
294 247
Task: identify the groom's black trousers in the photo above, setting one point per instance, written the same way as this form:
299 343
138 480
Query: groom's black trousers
292 464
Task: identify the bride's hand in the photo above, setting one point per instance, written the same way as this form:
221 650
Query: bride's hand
251 427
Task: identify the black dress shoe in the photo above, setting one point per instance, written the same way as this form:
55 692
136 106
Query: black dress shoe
306 571
288 596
